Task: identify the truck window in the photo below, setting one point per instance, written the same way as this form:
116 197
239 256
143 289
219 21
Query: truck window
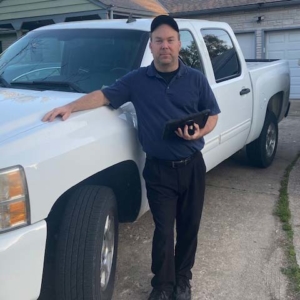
222 53
88 58
189 52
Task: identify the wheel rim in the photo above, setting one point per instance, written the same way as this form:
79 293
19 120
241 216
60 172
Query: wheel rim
271 140
107 253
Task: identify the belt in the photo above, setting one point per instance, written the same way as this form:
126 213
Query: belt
174 163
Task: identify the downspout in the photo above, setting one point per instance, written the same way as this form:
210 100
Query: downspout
111 12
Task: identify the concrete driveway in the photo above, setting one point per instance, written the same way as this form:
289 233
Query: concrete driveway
240 250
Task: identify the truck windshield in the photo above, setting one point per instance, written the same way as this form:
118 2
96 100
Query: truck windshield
80 60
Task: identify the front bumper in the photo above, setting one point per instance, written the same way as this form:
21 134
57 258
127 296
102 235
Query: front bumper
21 259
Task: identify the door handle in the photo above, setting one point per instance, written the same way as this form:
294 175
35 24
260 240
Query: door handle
244 91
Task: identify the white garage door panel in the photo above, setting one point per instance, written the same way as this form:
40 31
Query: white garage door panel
286 45
294 36
276 55
247 44
297 81
294 54
295 84
295 73
297 90
276 38
294 69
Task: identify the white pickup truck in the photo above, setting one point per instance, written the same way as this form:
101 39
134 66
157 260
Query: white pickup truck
65 186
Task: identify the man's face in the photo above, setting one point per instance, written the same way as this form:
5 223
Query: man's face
165 46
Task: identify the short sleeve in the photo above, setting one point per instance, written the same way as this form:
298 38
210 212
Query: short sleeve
120 92
207 97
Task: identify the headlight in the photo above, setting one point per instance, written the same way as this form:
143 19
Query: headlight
14 210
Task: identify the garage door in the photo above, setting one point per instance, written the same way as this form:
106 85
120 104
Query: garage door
247 43
286 45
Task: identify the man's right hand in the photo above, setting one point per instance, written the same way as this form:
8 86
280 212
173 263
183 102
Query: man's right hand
62 111
89 101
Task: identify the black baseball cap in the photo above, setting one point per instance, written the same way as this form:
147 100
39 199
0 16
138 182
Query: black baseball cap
164 19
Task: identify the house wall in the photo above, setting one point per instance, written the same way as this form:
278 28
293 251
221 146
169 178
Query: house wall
19 9
7 39
24 15
246 21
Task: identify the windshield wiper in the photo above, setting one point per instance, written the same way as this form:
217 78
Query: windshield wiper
3 82
46 84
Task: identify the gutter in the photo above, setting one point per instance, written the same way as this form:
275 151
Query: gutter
248 7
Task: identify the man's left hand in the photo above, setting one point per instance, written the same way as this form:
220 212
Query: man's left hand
198 133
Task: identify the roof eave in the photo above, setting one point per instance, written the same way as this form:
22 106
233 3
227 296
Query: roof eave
126 11
133 12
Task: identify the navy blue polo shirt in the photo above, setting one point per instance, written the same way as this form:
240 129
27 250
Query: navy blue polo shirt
157 102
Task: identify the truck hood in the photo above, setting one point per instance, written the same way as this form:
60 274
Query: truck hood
22 110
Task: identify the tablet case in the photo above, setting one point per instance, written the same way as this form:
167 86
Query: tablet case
172 125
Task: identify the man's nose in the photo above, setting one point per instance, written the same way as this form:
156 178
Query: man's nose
165 44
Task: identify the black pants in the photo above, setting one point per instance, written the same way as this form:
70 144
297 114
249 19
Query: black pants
174 194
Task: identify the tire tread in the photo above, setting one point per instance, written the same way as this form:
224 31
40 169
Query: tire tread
77 243
256 149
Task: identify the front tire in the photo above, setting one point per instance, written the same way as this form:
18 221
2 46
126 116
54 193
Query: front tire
87 246
261 152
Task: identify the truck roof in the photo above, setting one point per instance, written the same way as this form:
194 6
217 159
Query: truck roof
139 24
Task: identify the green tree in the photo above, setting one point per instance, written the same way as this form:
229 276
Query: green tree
215 46
190 56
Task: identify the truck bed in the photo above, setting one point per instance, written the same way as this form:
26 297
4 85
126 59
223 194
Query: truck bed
254 64
267 77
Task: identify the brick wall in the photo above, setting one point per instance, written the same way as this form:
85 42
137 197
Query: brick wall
274 18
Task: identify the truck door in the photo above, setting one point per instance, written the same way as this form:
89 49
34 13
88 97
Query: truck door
229 78
191 56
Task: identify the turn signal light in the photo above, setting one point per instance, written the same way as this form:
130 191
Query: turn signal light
13 199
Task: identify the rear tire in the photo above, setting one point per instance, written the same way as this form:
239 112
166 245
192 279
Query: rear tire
87 245
261 152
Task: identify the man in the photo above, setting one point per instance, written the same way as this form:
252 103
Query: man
174 171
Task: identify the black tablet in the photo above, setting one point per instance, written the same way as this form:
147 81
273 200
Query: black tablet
172 125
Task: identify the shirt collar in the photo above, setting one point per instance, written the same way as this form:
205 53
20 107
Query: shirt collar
182 70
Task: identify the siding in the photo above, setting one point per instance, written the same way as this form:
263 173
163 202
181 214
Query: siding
17 9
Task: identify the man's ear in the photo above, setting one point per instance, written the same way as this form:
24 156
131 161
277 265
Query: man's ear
150 46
